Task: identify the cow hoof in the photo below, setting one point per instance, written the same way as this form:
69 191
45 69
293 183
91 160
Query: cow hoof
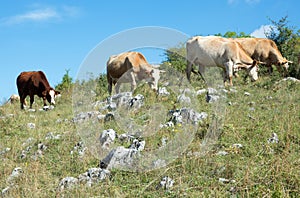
46 108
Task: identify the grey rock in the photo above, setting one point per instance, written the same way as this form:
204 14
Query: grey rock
31 125
162 91
182 98
222 153
93 175
159 163
137 145
6 150
51 136
17 172
186 115
67 183
5 191
79 148
237 145
247 93
120 157
107 138
83 116
201 91
166 183
273 139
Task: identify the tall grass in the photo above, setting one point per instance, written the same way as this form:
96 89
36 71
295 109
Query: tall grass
257 169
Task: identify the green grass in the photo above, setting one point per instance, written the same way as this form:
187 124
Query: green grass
258 168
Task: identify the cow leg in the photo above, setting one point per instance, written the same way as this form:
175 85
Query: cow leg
22 100
117 87
133 82
270 68
229 71
224 77
31 100
189 70
44 100
201 70
109 87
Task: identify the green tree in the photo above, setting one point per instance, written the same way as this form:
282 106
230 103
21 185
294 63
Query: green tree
288 42
66 83
230 34
176 57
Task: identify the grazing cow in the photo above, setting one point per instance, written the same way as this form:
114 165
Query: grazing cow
35 83
265 50
217 51
130 67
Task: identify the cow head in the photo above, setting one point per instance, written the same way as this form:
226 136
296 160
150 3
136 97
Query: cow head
50 95
253 71
152 75
284 64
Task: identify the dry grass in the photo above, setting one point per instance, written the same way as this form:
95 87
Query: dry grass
259 169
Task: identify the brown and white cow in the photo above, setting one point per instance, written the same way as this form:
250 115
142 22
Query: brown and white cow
35 83
130 67
213 51
265 50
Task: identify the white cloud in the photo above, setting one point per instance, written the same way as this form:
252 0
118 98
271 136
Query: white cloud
34 15
261 32
41 15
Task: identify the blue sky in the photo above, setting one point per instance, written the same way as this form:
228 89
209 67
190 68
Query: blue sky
57 35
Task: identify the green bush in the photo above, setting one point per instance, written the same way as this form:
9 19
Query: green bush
66 83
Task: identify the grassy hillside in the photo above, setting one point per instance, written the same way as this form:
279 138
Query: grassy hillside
254 168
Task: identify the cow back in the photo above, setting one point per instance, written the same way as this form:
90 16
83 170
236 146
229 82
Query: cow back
34 81
117 65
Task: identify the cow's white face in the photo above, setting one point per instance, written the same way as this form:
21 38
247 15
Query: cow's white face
52 96
254 73
153 79
285 66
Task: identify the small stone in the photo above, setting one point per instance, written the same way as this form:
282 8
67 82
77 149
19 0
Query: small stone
67 182
166 183
273 139
222 153
201 91
31 125
237 145
247 93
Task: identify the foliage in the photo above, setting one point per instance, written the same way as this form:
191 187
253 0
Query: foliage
230 34
66 82
176 57
101 86
288 42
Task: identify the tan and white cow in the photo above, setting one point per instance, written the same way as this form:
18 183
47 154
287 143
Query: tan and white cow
130 67
208 51
265 50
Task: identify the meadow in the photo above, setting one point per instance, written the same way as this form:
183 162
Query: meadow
244 160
